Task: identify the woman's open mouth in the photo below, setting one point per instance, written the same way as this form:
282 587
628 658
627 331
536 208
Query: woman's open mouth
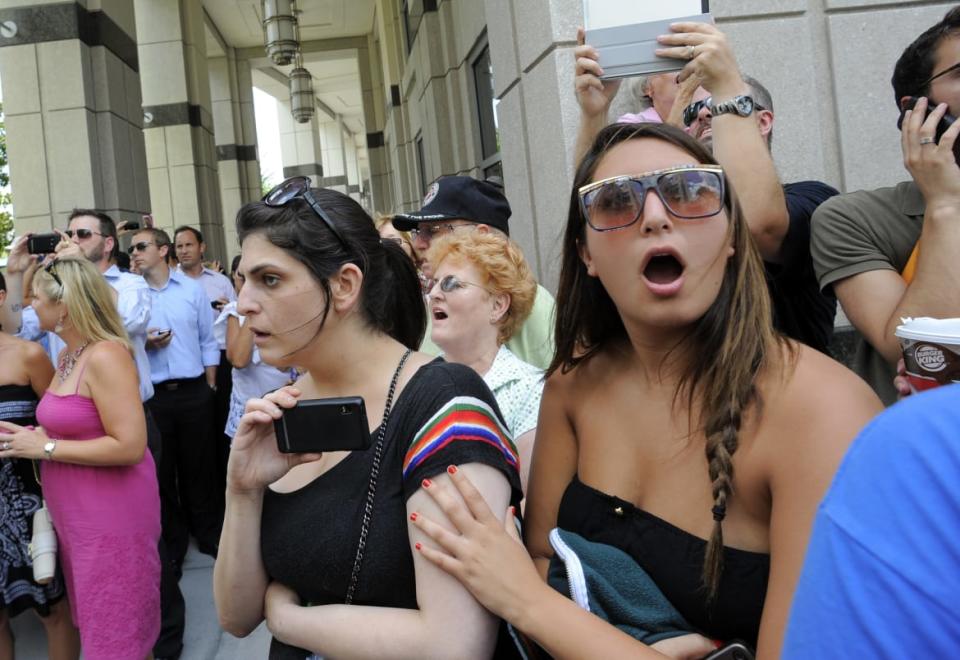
438 314
664 274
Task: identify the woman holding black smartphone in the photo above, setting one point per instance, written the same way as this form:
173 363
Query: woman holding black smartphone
321 544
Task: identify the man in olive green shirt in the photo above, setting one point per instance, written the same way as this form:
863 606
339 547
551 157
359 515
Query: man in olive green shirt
862 242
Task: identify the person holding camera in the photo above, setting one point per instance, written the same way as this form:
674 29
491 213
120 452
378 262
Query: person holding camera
99 481
319 543
891 253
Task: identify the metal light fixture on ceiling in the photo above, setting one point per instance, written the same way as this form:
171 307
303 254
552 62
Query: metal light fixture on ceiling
280 28
301 93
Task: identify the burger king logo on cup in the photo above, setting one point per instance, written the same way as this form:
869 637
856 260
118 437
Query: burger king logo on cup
930 358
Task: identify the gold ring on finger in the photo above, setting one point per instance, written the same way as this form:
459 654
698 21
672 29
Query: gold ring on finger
926 139
691 52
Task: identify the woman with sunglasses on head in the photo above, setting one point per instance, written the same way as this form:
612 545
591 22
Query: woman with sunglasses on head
319 544
99 482
683 431
483 293
25 373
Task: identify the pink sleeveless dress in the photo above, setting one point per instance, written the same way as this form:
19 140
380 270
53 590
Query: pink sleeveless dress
108 524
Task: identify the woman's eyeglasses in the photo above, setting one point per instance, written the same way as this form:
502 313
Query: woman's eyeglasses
950 69
82 234
688 192
451 283
139 247
298 187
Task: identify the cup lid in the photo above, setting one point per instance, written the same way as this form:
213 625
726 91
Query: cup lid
929 329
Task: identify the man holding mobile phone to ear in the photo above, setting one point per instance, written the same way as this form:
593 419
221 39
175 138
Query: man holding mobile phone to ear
891 253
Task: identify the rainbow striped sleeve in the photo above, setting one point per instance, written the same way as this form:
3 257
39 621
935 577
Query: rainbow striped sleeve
462 419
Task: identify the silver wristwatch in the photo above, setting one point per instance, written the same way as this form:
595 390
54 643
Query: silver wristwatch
742 106
48 449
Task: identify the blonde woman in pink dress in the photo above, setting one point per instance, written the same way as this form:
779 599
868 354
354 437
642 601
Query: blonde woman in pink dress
99 482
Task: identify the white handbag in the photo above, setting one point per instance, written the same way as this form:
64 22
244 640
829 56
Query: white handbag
43 546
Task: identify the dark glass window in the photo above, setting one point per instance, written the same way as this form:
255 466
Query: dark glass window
486 104
421 167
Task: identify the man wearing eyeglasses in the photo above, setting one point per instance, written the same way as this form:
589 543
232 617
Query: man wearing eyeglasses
462 203
183 359
894 253
732 115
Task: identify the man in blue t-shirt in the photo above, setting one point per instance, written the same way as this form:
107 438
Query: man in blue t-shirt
882 573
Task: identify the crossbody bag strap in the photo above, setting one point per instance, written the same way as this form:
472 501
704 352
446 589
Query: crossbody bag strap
372 485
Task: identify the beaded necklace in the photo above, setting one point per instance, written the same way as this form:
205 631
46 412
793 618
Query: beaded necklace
68 362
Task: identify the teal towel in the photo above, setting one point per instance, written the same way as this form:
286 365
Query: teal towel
608 582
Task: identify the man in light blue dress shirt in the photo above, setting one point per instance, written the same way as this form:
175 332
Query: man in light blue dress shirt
183 357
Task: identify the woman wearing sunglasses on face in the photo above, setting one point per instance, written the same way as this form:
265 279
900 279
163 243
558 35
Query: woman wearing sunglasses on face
483 293
320 545
682 430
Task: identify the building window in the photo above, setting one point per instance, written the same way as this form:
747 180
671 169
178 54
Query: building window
487 114
411 24
421 166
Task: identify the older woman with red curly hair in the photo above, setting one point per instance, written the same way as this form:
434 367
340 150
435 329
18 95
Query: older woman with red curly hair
483 291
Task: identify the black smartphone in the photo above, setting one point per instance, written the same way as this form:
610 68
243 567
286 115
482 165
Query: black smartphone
216 305
732 651
318 425
131 225
42 243
945 123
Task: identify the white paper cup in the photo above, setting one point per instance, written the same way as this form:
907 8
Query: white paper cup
931 351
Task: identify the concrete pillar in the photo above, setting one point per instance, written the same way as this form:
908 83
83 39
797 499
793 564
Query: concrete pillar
300 148
372 89
71 96
178 122
235 134
333 154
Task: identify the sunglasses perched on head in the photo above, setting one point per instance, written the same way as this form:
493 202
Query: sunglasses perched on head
139 247
49 268
298 187
81 233
691 111
690 192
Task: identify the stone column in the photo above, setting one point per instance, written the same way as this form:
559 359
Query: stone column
334 154
71 93
235 133
300 148
178 123
373 93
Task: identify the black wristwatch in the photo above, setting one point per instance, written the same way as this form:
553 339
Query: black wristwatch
739 105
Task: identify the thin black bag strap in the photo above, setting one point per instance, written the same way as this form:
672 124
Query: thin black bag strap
372 485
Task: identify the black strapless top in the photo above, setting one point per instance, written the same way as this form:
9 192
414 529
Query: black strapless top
674 559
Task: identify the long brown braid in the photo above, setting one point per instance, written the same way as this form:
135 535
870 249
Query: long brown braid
730 343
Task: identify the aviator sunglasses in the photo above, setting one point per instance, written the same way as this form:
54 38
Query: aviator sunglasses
451 283
298 187
82 234
689 192
139 247
691 111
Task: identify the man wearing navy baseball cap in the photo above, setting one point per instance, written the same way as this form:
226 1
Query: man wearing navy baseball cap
462 202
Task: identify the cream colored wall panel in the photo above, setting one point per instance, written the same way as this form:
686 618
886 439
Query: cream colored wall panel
184 195
69 135
162 73
19 76
158 21
26 152
65 75
179 145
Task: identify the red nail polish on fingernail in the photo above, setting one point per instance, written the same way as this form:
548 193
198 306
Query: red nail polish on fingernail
426 483
452 469
413 516
418 546
513 511
716 642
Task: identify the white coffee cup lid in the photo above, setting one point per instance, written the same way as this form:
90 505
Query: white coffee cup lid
928 329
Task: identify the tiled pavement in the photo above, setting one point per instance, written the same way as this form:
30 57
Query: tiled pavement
203 638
